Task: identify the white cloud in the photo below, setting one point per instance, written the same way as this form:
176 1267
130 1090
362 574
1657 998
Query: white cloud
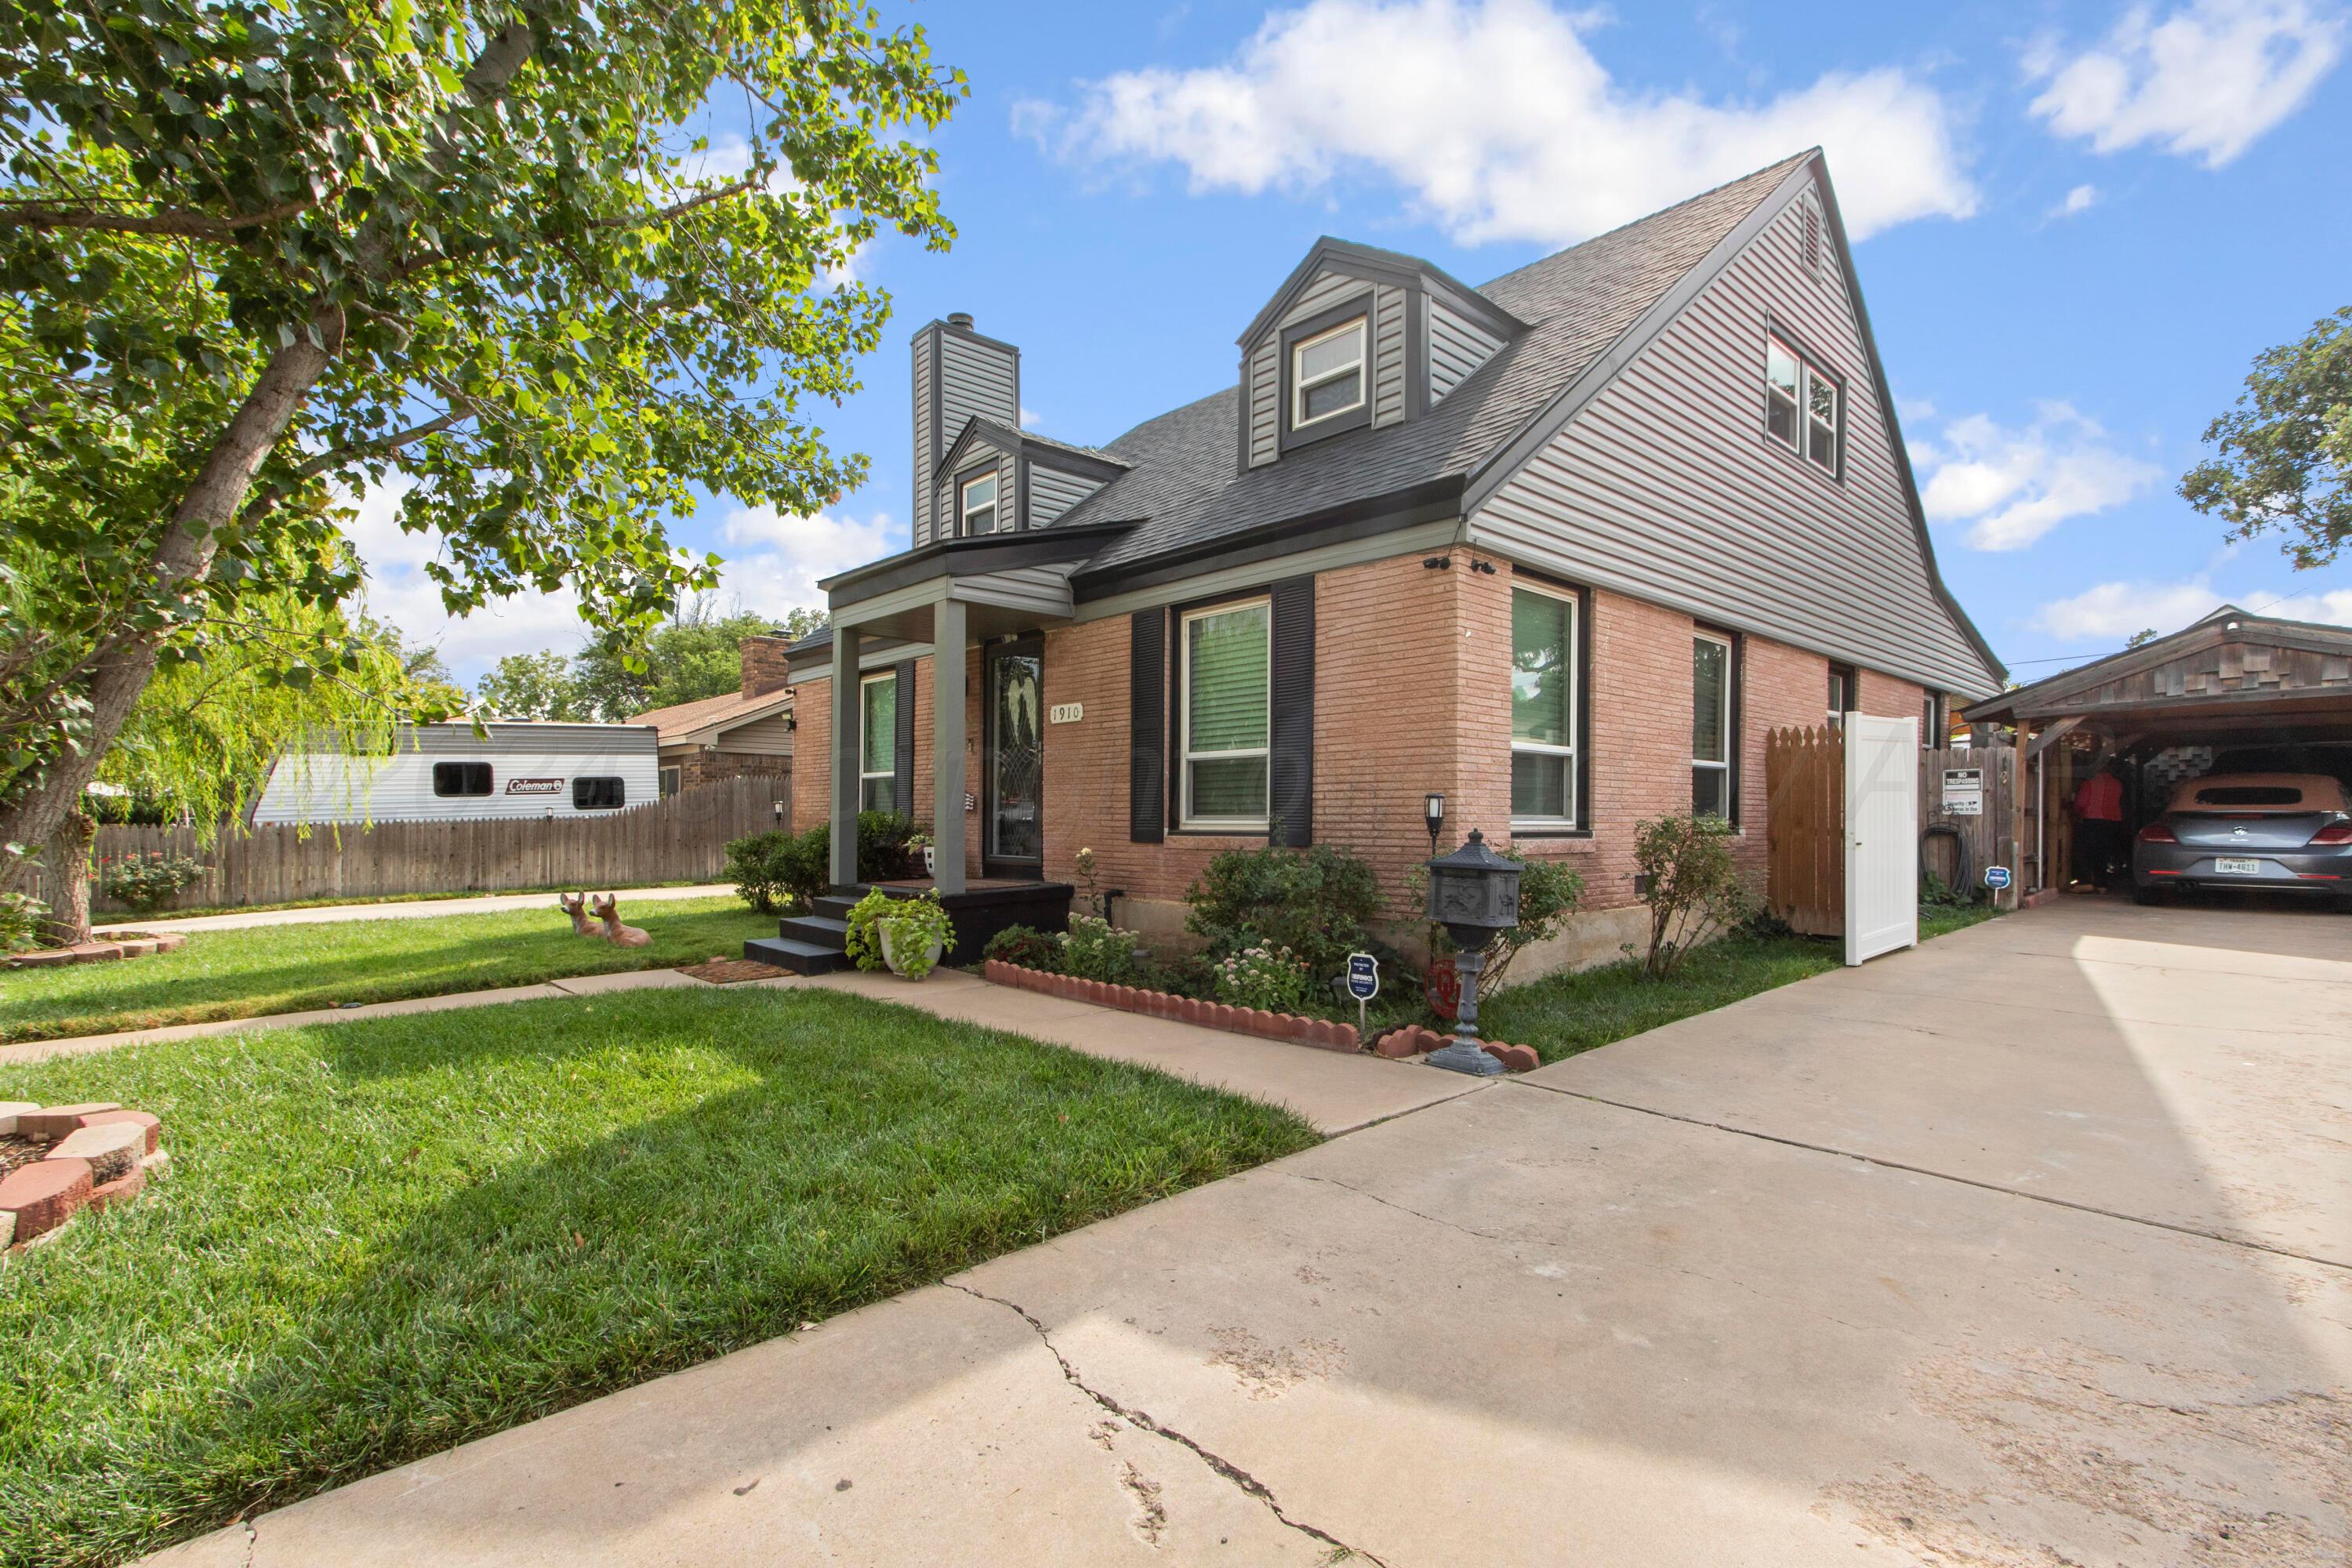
2206 81
2014 485
1500 123
2112 612
786 554
2080 199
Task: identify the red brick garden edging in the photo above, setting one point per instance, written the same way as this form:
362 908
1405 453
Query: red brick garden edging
58 1159
130 945
1326 1033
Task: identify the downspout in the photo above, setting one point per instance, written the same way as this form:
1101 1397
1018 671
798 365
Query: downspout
2040 829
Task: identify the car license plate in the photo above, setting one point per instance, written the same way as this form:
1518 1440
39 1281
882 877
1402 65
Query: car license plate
2229 868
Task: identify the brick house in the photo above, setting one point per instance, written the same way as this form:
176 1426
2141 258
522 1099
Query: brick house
745 734
1561 548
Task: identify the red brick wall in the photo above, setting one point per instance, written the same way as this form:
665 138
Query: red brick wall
762 663
812 754
697 766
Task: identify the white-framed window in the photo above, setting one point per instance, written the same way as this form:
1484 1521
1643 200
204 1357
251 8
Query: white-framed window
1228 714
1543 709
976 504
877 742
1845 690
1804 405
1711 737
1327 375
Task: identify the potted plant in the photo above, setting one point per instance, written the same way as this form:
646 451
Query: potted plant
922 841
903 935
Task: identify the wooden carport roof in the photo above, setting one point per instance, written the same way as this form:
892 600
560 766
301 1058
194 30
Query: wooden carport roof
2231 676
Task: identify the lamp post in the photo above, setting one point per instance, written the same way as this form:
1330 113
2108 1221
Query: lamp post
1474 893
1432 814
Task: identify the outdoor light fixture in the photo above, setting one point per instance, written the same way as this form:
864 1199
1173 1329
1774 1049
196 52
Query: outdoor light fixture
1474 893
1432 815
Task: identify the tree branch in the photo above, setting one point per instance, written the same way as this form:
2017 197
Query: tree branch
175 222
663 215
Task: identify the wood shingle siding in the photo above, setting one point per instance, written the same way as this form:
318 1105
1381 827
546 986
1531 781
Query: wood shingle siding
1665 485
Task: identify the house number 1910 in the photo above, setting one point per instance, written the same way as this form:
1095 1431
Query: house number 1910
1065 712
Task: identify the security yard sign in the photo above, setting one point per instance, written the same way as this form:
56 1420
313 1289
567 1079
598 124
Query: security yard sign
1964 792
1996 878
1363 983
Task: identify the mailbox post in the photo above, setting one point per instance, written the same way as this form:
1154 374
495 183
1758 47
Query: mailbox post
1474 893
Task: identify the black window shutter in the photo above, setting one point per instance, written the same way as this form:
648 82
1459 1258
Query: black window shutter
1292 784
1147 750
902 753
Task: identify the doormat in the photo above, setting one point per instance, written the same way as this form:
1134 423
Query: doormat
732 971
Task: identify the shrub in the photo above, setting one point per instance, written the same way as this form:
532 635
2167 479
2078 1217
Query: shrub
1096 950
1273 979
22 918
1026 946
1184 975
148 881
1318 903
1695 887
792 870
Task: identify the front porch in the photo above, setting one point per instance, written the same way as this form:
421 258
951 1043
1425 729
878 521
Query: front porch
817 943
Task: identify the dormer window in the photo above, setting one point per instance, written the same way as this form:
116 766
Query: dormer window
1327 375
976 504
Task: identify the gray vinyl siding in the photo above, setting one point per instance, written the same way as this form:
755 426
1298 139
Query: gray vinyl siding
976 456
1266 403
1053 492
1457 346
974 379
928 445
1041 591
1328 290
772 736
1664 486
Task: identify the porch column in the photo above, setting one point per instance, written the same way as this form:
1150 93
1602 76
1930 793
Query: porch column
947 742
846 716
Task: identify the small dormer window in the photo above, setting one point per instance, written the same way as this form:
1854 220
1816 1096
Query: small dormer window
976 504
1327 375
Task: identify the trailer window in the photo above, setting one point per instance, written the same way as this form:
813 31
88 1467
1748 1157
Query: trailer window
598 793
461 778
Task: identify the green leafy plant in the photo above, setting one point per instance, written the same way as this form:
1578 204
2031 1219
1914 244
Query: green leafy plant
1695 887
912 925
1270 978
1096 950
22 917
146 882
754 865
1027 947
1318 903
1180 974
792 871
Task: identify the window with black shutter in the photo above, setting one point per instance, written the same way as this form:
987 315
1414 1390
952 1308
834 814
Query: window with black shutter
1147 776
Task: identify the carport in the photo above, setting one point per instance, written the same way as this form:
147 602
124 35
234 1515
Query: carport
2235 688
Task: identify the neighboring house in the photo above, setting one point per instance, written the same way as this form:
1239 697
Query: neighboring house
746 734
1561 548
447 773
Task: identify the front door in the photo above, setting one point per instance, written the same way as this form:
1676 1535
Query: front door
1013 832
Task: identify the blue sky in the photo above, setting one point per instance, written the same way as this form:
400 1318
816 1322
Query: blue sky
2080 223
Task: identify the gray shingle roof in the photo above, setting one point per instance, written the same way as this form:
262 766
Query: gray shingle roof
1183 485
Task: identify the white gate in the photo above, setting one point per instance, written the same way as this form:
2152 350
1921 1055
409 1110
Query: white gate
1882 835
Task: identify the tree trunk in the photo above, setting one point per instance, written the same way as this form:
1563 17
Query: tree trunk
66 857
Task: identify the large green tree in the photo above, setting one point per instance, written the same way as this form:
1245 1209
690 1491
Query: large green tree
254 255
697 653
2283 458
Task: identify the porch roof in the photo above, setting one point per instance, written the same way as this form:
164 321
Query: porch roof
1007 582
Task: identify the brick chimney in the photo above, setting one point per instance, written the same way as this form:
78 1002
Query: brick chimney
764 664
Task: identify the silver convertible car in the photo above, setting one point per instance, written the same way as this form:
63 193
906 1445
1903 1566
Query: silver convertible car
2275 832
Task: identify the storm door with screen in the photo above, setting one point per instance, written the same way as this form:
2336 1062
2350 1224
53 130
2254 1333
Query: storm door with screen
1014 831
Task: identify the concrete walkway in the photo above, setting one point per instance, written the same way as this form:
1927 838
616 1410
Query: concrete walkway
2016 1250
404 909
1334 1091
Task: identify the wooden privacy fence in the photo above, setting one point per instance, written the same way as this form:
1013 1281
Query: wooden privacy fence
681 838
1804 783
1804 813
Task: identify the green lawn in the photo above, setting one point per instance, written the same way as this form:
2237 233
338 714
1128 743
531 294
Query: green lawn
259 970
383 1237
1562 1015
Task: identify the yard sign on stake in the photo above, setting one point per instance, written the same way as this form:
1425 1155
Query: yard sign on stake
1363 984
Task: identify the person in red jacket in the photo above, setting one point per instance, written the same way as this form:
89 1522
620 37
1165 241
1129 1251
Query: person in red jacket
2099 826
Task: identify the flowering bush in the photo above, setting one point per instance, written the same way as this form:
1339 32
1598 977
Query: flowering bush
1271 979
1095 950
146 882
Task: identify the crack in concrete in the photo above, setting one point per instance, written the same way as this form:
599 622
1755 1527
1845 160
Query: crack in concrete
252 1541
2198 1231
1400 1208
1248 1484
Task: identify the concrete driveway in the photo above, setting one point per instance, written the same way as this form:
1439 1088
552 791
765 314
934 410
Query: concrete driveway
2031 1247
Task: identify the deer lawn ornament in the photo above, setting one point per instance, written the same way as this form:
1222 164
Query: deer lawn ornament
608 910
576 906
